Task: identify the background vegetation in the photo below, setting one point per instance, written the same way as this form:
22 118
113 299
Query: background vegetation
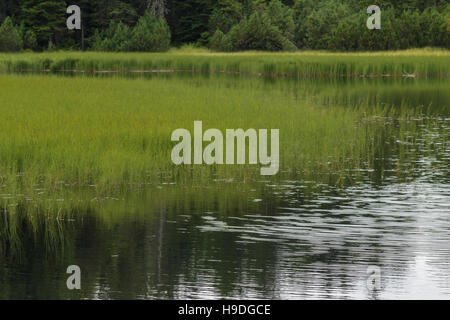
225 25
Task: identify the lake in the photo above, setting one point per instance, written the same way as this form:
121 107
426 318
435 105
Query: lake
300 236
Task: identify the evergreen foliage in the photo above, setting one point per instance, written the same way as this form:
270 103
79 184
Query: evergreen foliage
226 25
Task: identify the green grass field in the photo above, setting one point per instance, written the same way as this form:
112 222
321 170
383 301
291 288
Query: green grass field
307 64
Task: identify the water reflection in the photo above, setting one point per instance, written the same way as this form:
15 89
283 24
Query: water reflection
286 240
318 249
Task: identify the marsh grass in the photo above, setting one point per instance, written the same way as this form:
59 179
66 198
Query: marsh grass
307 64
64 140
72 146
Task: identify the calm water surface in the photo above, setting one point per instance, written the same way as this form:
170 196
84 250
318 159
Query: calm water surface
290 240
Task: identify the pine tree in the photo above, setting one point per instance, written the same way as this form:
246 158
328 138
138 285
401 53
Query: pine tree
46 18
10 39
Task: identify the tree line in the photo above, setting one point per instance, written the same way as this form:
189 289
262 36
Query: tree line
224 25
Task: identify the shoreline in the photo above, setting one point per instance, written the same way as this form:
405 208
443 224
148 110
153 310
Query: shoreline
423 63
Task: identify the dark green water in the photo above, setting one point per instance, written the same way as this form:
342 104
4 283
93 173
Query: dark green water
293 239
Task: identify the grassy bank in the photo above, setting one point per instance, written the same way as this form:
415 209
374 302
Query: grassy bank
311 64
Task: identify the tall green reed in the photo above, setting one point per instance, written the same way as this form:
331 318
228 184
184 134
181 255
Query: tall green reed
308 64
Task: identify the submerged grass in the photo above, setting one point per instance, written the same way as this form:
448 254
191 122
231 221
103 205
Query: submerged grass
307 64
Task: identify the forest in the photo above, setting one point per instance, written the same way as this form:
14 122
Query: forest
223 25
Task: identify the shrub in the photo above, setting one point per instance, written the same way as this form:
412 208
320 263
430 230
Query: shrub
258 32
334 26
220 42
283 17
320 24
115 38
435 28
150 34
30 40
222 20
384 39
10 39
301 10
347 34
408 29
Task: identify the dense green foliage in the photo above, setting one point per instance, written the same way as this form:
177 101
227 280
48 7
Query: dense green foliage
229 25
151 33
10 39
268 28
